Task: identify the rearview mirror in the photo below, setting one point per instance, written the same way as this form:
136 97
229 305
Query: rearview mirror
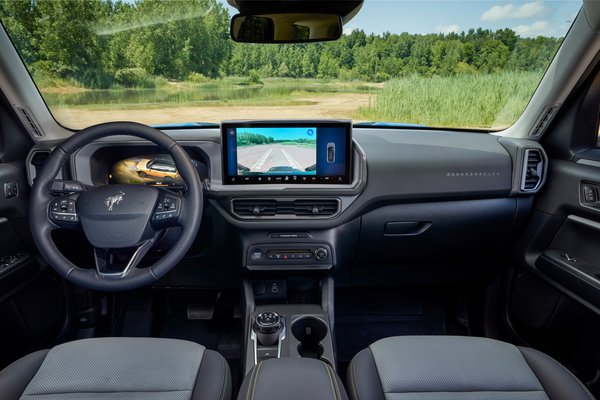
285 28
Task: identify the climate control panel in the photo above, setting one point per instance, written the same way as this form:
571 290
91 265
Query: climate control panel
297 256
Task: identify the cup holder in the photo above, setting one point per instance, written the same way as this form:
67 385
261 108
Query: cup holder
309 331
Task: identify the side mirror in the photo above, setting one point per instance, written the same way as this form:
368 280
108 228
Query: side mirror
286 28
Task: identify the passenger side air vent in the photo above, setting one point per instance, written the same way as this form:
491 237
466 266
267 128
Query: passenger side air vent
533 170
29 121
544 120
36 162
285 208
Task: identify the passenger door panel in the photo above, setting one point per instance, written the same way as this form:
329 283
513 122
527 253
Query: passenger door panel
554 290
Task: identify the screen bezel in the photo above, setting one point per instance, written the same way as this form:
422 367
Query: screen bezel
346 125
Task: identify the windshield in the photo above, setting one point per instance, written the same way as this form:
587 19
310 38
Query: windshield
458 64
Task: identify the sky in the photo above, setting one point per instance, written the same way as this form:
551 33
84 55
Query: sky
527 18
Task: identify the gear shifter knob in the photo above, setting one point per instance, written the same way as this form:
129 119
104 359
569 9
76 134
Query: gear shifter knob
267 326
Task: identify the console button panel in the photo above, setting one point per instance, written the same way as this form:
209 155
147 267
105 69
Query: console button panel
297 256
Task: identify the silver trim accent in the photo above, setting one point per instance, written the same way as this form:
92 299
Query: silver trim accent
592 163
285 216
255 339
31 173
524 172
133 261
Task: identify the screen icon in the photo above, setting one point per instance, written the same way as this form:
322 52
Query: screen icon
330 152
310 132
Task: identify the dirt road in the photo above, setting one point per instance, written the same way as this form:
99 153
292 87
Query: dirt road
262 158
341 105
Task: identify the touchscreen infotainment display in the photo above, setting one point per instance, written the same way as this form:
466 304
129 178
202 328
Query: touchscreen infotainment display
284 152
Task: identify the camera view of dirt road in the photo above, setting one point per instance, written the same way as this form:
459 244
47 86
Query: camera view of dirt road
270 150
278 157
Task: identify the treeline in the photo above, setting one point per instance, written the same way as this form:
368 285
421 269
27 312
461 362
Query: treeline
100 43
247 138
381 57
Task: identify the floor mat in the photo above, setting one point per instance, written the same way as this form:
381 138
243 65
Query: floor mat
365 316
356 332
221 333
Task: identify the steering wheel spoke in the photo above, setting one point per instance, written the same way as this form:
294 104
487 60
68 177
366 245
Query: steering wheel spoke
62 212
117 263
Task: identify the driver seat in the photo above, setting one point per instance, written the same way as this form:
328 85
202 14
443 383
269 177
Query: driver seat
119 369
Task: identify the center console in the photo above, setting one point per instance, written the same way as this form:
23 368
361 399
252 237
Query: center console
277 330
289 343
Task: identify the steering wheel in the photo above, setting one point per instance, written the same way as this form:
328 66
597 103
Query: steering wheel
122 222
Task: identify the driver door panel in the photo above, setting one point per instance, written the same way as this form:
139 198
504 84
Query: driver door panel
33 310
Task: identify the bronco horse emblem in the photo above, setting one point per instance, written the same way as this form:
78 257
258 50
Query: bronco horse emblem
111 201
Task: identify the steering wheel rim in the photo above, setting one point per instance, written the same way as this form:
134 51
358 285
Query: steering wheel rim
189 218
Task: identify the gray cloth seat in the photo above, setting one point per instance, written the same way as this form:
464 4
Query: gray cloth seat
119 369
455 367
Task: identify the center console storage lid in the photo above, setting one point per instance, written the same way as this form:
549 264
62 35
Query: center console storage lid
292 379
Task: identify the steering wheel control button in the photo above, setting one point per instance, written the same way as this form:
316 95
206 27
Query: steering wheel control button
11 190
63 210
167 209
60 186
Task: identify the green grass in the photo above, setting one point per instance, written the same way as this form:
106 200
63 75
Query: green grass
470 101
311 145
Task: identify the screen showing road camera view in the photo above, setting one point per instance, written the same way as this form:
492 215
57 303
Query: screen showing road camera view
263 154
273 151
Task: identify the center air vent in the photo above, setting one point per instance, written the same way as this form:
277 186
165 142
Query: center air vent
315 207
285 208
533 170
254 208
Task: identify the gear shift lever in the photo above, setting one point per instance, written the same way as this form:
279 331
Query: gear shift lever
267 326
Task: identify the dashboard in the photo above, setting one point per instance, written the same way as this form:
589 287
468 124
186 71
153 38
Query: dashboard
381 198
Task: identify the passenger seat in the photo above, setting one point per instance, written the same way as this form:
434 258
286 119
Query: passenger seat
456 367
